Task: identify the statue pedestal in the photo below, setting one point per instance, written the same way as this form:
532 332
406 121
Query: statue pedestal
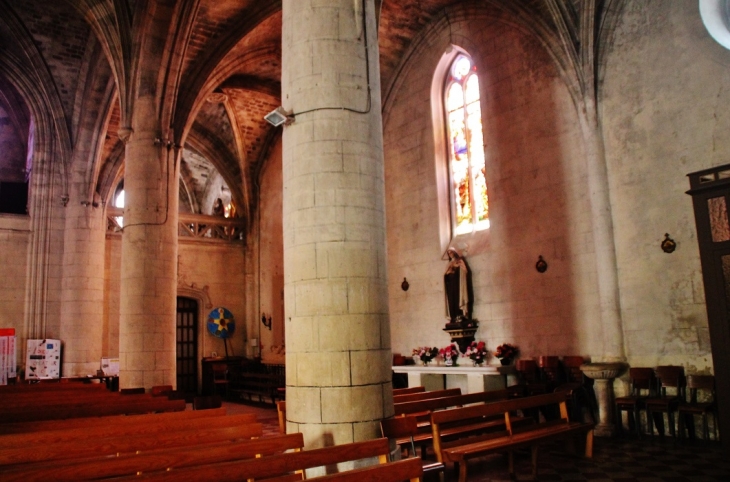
461 336
604 374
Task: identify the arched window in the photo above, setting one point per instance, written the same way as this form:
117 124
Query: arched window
468 183
118 202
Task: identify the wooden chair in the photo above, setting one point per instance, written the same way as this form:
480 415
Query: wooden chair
529 377
401 429
687 411
207 402
132 391
579 390
404 431
161 390
549 371
642 386
220 379
668 377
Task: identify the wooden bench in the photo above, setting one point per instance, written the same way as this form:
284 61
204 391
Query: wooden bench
119 427
91 422
154 460
129 404
404 391
277 465
461 450
412 397
175 436
281 413
408 469
415 428
431 404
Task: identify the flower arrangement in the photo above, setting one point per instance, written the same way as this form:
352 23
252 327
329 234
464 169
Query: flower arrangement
426 354
450 354
477 351
506 352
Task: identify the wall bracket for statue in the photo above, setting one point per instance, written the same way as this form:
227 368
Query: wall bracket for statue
462 332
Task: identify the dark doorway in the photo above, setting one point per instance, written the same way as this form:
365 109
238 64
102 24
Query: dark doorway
710 191
187 347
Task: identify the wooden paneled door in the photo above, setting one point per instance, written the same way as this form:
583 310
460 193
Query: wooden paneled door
187 346
710 191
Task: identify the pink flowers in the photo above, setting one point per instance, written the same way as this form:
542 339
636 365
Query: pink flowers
477 351
426 354
450 353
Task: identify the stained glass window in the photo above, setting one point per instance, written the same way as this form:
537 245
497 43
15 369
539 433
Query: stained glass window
470 207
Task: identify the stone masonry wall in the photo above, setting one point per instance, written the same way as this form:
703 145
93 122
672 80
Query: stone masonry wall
664 112
538 196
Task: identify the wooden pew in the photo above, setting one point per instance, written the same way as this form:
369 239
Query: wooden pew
48 396
281 412
118 427
408 469
154 460
412 397
431 404
129 404
464 449
14 390
276 465
174 437
403 391
422 409
91 422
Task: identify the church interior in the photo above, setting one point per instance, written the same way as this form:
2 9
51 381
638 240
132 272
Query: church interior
312 167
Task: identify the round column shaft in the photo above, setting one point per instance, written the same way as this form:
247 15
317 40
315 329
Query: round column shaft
337 327
149 261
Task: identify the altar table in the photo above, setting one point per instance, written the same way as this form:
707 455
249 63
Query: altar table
469 378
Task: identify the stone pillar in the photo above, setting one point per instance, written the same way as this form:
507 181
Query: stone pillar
603 239
337 329
149 256
82 292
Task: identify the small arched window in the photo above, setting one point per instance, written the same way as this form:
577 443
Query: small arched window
468 183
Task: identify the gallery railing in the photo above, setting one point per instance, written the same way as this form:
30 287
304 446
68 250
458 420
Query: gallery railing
190 226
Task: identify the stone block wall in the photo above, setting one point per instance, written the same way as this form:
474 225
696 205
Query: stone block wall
538 197
664 116
660 105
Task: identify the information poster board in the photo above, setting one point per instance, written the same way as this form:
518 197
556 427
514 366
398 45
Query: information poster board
43 360
110 366
7 355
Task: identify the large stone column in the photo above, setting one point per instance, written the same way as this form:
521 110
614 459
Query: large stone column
149 256
337 328
82 292
603 237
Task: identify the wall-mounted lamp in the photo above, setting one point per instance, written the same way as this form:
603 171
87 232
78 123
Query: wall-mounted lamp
266 321
278 117
404 285
541 266
668 245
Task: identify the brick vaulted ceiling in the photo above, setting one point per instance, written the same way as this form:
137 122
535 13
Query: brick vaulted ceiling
229 75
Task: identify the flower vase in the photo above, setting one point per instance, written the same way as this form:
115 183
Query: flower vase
505 361
449 362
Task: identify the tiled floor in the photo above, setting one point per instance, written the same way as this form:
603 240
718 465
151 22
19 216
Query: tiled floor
614 460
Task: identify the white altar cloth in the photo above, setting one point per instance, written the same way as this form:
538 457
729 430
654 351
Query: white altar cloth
470 379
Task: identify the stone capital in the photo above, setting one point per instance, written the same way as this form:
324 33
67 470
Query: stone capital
125 133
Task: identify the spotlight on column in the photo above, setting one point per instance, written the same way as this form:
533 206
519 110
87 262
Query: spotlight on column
278 117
